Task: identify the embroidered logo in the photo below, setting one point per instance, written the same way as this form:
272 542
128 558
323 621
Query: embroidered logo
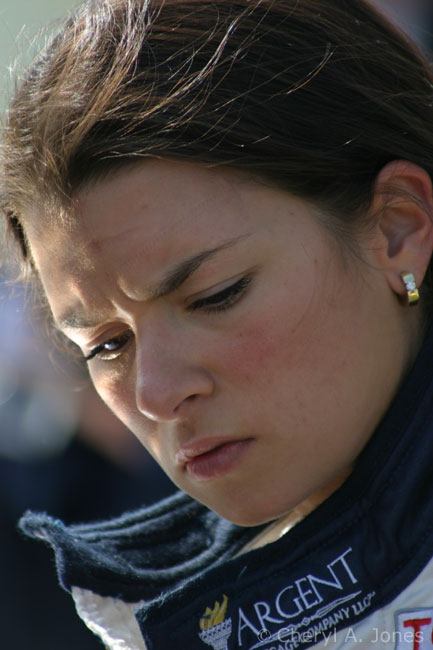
414 629
305 611
215 628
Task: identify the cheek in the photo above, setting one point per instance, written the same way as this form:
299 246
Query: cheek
276 340
118 393
280 326
252 353
290 363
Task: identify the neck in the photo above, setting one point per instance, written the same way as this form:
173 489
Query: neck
288 520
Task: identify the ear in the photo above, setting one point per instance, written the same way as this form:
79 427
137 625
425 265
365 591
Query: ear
403 203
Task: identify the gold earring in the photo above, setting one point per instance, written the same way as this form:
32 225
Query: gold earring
411 288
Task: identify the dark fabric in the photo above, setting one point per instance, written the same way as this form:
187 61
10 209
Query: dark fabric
141 553
357 551
78 484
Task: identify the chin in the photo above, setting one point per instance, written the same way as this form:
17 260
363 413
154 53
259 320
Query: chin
246 515
248 522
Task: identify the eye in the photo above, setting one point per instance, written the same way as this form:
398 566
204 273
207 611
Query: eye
110 349
223 299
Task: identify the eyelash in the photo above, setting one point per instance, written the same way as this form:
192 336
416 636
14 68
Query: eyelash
214 303
223 299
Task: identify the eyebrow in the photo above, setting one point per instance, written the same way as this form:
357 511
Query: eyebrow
173 280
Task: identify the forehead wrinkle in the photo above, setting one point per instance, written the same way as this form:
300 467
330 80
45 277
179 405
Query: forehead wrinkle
172 280
96 245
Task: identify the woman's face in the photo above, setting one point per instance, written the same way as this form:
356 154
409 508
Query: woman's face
225 329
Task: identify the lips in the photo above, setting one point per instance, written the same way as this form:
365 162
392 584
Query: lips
212 458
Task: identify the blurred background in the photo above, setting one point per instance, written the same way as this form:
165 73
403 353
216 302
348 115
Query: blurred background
61 450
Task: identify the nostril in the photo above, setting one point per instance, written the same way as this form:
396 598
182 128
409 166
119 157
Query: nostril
189 399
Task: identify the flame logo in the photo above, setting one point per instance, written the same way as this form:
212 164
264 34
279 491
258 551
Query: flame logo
214 616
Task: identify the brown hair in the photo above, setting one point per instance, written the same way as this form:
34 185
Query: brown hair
314 96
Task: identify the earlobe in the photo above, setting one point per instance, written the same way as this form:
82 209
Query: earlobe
403 205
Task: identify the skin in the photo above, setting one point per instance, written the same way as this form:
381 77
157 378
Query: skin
300 369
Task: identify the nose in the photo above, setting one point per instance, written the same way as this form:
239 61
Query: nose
168 378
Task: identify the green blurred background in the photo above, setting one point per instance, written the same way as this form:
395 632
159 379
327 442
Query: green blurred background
20 23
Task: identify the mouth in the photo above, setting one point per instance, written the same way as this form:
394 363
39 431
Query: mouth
209 459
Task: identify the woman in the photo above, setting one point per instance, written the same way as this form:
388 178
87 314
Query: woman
229 209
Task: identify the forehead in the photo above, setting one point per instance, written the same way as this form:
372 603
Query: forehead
169 203
145 217
164 195
164 198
